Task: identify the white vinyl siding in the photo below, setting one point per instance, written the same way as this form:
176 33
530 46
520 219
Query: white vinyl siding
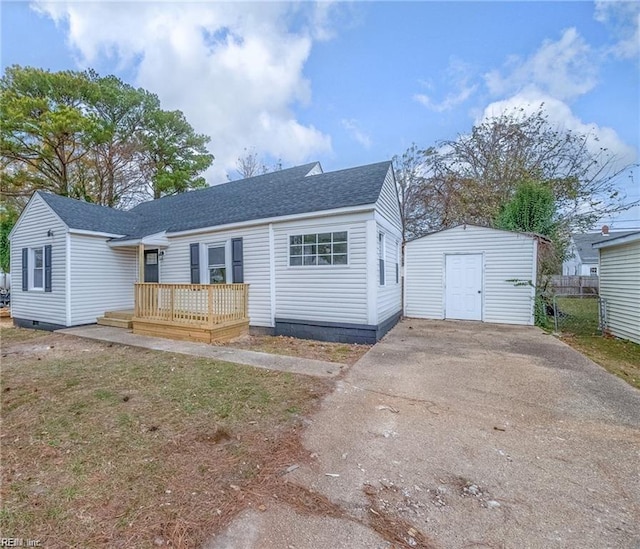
102 278
388 205
620 288
175 265
330 293
31 232
390 294
506 256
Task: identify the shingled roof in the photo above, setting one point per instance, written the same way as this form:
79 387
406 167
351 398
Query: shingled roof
282 193
584 244
77 214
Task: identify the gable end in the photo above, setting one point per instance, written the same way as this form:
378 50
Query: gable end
35 199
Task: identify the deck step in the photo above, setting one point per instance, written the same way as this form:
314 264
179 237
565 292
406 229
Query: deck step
115 322
122 315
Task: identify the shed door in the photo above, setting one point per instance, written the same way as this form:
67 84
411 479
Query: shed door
463 283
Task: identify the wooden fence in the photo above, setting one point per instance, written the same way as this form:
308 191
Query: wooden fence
575 285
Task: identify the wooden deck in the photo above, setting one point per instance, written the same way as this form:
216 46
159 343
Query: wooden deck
191 312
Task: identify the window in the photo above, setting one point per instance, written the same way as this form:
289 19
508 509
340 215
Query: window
593 271
381 252
318 249
397 262
37 273
36 268
217 265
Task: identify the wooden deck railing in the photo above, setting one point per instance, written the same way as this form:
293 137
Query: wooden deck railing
191 304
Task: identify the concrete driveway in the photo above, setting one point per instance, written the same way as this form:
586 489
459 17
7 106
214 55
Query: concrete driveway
455 435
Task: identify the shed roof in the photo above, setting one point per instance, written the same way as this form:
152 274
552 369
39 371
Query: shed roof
297 190
465 225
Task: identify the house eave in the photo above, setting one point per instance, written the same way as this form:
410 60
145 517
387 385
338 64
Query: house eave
24 211
618 241
85 232
157 239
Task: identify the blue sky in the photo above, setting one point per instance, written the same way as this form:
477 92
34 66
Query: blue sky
352 83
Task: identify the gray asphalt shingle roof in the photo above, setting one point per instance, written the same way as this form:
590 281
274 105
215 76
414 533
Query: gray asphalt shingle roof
90 217
276 194
584 244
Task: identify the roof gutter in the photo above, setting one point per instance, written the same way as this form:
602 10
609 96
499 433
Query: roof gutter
617 240
157 239
94 233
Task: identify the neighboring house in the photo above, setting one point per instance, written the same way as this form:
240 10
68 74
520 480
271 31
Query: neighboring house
5 280
319 251
582 257
472 273
620 284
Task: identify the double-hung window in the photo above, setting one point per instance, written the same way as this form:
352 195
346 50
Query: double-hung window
36 268
381 258
318 249
37 272
217 264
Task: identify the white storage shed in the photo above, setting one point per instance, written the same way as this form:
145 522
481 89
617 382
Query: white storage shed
620 284
472 273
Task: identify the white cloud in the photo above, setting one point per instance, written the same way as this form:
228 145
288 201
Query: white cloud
235 70
623 19
459 75
564 69
560 115
353 129
449 102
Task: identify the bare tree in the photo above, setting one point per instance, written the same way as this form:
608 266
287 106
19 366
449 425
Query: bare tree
470 178
250 165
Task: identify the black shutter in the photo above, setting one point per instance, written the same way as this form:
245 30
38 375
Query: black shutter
236 261
47 268
25 269
381 261
195 263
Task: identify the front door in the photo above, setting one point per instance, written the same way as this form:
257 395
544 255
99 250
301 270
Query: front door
151 273
463 282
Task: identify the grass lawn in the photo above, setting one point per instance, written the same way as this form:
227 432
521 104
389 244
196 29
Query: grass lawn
107 445
578 315
578 326
617 356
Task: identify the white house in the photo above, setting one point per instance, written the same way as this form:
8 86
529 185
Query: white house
582 257
319 251
472 273
620 284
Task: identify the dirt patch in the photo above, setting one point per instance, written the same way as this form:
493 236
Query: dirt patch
342 353
108 445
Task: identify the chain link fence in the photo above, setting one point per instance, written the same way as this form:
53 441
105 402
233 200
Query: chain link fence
578 314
